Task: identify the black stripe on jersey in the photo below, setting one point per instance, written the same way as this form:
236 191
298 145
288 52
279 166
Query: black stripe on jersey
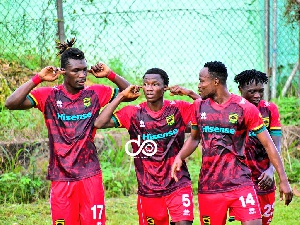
114 95
194 127
31 100
116 121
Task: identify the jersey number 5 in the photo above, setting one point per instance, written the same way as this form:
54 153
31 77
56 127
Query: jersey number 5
186 202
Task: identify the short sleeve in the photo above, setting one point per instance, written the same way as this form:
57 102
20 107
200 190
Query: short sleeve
122 117
185 109
253 119
195 106
106 94
275 125
38 97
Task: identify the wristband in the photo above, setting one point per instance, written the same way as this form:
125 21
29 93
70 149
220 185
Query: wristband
36 79
111 76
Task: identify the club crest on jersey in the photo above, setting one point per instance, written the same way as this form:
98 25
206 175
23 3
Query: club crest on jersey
266 121
150 221
142 123
59 103
170 120
233 118
203 116
206 220
87 102
60 222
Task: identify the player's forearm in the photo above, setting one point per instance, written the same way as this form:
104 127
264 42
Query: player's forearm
277 142
276 162
121 82
106 114
193 95
188 148
16 99
266 141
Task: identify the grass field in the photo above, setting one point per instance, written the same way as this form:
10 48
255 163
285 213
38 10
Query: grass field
123 211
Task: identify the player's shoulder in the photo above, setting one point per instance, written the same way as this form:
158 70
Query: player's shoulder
177 103
97 87
266 104
241 101
45 90
200 101
244 104
134 108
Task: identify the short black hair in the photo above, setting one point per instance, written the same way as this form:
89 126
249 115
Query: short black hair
70 53
164 76
67 52
248 76
217 70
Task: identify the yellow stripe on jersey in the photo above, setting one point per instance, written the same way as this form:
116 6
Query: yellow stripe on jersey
275 128
114 93
259 129
32 99
116 120
275 131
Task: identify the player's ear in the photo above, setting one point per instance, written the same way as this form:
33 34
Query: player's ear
166 87
217 81
240 89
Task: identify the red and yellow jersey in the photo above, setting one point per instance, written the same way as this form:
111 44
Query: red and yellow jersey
163 134
70 122
257 157
224 130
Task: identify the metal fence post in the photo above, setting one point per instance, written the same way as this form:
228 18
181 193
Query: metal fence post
267 49
60 21
274 51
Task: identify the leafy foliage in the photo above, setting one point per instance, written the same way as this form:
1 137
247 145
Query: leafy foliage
292 11
19 184
289 109
117 167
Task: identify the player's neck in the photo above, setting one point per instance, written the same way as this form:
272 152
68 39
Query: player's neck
156 106
222 96
71 90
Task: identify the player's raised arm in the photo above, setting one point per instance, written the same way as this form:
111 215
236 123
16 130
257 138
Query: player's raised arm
17 100
178 90
104 119
101 70
284 186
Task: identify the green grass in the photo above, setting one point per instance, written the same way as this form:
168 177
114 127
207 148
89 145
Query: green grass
123 211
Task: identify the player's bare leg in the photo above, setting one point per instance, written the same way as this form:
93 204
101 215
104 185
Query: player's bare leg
252 222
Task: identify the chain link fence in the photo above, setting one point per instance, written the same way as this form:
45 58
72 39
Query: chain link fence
177 36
